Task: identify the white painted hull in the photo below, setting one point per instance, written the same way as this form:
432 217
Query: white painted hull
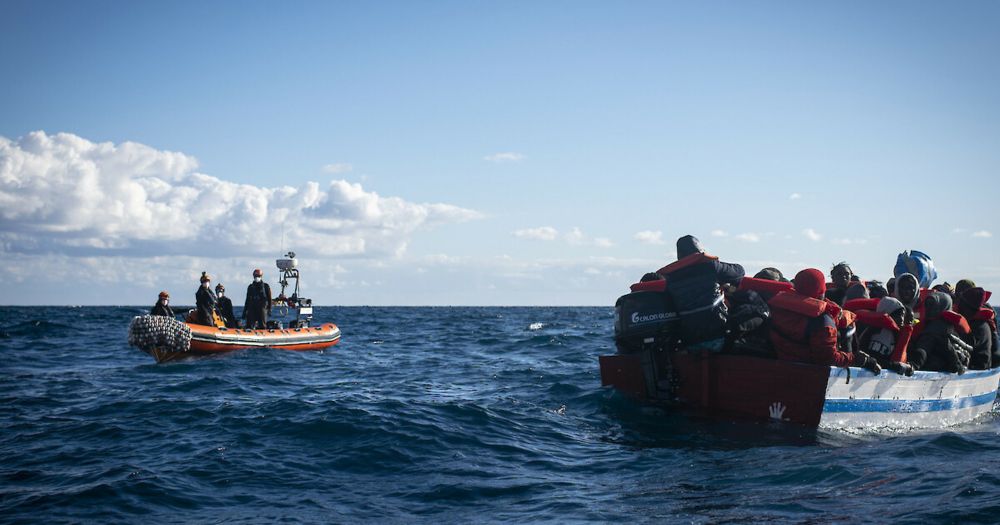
856 398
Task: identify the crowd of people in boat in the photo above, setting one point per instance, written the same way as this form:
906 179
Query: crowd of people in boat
215 309
903 325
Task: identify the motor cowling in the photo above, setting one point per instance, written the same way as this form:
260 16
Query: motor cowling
645 319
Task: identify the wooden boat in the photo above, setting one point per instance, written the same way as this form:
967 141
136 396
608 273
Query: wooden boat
827 397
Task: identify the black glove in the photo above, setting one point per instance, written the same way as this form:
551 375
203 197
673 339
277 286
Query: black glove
867 362
902 369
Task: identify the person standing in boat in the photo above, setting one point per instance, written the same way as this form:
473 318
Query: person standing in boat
225 306
257 306
205 301
162 306
804 326
693 282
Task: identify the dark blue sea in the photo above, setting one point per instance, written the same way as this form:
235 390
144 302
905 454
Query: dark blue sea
450 415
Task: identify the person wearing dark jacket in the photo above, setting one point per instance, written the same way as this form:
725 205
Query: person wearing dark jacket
982 323
162 306
225 306
693 283
802 329
258 302
205 301
939 347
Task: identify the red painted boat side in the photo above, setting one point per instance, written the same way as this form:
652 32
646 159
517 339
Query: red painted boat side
755 387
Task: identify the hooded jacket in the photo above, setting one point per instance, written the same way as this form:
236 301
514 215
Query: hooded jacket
938 346
801 327
982 324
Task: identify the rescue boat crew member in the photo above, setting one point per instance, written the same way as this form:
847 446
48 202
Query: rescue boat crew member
802 329
225 306
205 301
162 306
258 302
693 282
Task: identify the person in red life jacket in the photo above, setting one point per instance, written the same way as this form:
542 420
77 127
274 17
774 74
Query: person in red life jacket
162 306
960 288
939 346
840 275
693 283
982 324
802 329
884 337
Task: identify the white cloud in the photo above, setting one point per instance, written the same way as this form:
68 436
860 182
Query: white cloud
983 234
718 233
603 242
848 242
748 237
508 156
339 167
794 196
811 234
959 230
542 233
649 237
64 194
575 236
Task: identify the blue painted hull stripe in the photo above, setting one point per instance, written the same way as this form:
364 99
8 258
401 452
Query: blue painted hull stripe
907 405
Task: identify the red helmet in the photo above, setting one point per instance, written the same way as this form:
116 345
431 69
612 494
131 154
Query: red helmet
257 272
164 295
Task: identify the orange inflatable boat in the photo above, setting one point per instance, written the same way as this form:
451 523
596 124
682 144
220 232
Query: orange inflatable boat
209 340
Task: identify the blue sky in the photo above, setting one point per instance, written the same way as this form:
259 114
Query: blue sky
488 152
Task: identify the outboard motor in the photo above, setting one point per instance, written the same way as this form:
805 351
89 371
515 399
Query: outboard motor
645 319
646 323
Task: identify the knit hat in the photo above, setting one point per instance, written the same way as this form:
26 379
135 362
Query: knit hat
810 282
257 272
770 274
220 288
963 285
856 291
935 304
688 245
164 295
205 277
887 305
972 299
